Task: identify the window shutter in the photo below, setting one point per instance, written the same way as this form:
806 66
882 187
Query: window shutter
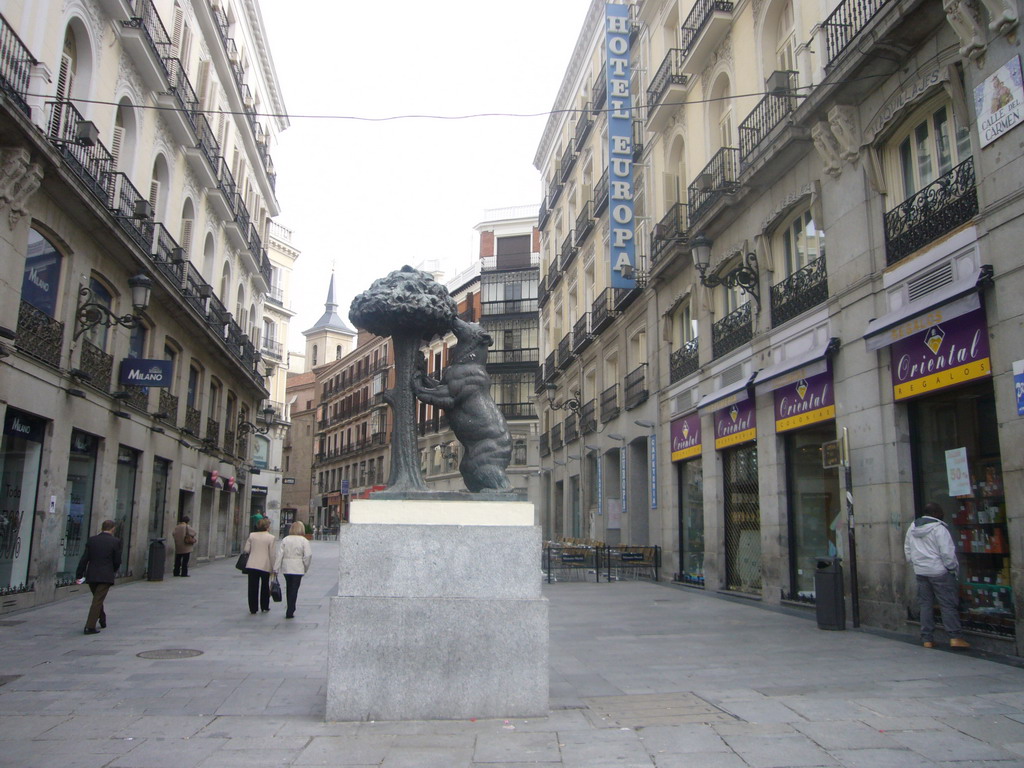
203 83
186 235
154 194
176 33
115 146
64 82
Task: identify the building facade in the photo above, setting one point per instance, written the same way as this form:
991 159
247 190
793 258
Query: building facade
777 266
138 189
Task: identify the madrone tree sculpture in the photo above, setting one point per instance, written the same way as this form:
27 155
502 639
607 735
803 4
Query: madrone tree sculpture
409 306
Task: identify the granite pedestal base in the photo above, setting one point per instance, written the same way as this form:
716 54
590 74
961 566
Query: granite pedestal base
438 620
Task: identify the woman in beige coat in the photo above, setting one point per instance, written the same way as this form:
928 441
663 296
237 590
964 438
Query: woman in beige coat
260 546
293 559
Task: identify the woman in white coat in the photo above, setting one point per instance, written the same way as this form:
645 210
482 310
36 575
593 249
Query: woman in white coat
260 546
293 559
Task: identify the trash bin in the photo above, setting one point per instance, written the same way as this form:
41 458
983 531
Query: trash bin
828 593
157 555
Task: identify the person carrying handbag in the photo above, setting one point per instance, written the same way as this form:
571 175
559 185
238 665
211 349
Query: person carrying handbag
260 546
293 559
185 537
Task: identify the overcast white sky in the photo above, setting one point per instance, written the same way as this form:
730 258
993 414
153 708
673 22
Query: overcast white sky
369 197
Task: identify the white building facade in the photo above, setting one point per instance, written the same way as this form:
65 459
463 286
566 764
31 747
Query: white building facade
134 154
763 233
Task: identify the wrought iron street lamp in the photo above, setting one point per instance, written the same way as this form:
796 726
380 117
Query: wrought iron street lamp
246 427
571 403
91 313
746 275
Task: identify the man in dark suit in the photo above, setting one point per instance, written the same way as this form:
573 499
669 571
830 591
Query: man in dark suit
98 566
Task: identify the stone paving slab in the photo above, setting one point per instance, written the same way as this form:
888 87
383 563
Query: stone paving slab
676 678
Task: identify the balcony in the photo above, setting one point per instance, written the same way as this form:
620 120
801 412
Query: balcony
544 444
588 419
15 67
168 408
528 355
947 203
509 307
704 29
638 140
229 441
601 194
138 397
223 196
567 162
571 431
556 437
683 361
601 315
623 297
564 352
600 88
668 232
610 404
584 125
125 203
769 113
212 432
272 349
513 411
539 379
581 336
844 24
178 103
719 178
635 392
39 335
204 157
193 420
97 364
90 164
147 43
543 214
543 292
585 222
550 370
732 331
567 252
803 290
667 91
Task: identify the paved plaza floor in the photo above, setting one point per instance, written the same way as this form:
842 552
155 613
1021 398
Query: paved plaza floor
642 675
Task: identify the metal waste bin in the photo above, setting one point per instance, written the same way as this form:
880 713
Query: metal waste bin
157 559
828 593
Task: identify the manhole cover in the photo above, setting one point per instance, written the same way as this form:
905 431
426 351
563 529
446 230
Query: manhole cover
170 653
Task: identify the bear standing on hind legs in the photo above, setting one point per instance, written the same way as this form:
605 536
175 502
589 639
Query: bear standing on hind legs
465 394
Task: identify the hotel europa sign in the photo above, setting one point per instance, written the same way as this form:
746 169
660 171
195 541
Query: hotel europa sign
620 147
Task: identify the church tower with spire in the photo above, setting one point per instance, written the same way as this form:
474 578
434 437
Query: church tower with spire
331 338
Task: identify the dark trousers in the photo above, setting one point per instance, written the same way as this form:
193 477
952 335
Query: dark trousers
181 564
291 590
944 590
96 612
259 591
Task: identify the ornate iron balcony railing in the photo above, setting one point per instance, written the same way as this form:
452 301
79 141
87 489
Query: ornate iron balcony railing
193 420
610 403
98 364
683 361
601 315
572 433
556 437
770 111
939 208
509 307
671 229
518 410
804 289
670 72
505 356
719 177
585 222
581 336
601 193
565 351
545 445
600 88
212 431
698 18
845 22
39 335
567 162
568 251
635 392
588 418
169 407
732 331
90 163
15 66
584 124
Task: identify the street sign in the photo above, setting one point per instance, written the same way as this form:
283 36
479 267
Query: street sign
832 454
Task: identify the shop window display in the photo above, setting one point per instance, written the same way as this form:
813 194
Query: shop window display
957 464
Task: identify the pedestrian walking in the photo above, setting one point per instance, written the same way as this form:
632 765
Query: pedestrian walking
98 568
929 547
293 559
260 546
185 537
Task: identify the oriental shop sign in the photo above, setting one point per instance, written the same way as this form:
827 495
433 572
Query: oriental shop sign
944 355
620 147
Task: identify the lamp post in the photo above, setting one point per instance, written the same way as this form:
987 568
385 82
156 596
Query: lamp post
746 275
247 427
91 313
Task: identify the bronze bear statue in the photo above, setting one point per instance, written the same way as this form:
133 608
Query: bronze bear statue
465 394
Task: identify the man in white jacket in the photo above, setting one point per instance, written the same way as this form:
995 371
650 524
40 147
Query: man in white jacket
929 547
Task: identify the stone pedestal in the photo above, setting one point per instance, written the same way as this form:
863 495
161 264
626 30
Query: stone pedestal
439 613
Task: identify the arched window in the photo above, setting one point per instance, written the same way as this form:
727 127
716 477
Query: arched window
337 353
929 145
40 285
721 115
188 215
240 306
208 257
785 39
314 354
225 284
122 143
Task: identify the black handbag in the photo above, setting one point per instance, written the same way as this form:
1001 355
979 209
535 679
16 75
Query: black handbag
275 591
242 561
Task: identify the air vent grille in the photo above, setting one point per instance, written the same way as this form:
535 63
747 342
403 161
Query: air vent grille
924 285
732 375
